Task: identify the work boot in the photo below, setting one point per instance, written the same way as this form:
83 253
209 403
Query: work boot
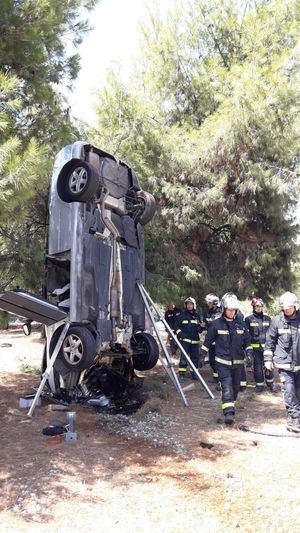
293 424
259 389
272 387
229 419
243 388
181 378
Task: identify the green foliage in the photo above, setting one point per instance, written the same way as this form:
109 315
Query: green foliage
210 124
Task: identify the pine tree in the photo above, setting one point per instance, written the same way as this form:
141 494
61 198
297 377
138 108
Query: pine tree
210 125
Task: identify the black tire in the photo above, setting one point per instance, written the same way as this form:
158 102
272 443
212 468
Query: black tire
78 181
78 349
145 351
150 207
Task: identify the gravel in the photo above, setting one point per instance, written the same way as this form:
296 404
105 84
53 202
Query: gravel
153 428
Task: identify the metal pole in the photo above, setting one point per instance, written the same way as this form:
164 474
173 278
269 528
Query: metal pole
170 364
190 362
49 367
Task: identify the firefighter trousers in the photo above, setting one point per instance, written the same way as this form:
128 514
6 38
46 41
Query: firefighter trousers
230 378
193 352
260 376
291 391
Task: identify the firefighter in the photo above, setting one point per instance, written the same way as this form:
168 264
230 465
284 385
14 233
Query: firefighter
213 311
188 330
232 343
240 316
258 324
282 349
171 316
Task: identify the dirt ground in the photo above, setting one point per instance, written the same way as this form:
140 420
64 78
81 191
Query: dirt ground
166 468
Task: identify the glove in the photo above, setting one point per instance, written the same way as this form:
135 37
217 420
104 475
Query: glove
249 358
269 365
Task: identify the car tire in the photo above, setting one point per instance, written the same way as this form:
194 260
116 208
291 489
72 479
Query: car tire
149 209
145 351
78 348
78 181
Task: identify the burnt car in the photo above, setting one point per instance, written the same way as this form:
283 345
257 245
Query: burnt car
95 257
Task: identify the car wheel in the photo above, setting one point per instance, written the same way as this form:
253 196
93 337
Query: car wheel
78 181
78 349
145 351
149 207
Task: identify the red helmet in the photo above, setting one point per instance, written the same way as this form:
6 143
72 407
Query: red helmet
257 301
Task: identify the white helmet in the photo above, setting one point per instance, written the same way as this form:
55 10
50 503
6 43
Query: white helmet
190 299
229 301
288 299
212 299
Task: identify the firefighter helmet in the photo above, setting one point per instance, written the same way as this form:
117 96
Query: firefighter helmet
229 301
212 299
288 299
190 299
257 301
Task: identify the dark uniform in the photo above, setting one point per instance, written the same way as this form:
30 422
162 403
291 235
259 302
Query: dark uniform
209 316
231 339
172 317
283 343
188 329
258 324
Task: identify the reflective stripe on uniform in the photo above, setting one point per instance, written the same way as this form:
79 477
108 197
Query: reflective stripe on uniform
284 330
178 331
223 361
223 331
215 374
248 348
240 331
254 324
191 342
238 361
288 366
181 369
228 404
269 380
184 322
268 352
194 321
255 345
260 384
243 383
266 323
204 348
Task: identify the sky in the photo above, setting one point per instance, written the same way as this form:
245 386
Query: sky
115 38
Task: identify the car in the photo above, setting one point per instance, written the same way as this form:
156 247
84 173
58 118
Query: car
95 259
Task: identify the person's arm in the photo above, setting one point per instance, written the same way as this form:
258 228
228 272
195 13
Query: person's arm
210 337
248 348
271 341
177 326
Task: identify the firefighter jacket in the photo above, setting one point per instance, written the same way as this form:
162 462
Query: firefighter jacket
210 315
188 327
232 339
172 317
257 325
283 342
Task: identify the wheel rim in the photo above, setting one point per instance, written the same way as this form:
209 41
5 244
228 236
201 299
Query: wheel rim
73 349
78 180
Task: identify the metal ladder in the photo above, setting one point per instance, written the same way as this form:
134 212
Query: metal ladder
165 358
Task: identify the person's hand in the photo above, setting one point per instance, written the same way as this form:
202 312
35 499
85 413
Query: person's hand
249 358
269 365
